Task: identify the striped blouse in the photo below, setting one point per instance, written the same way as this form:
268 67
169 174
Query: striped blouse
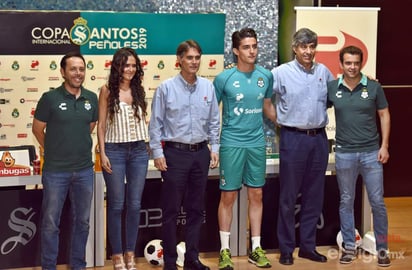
125 127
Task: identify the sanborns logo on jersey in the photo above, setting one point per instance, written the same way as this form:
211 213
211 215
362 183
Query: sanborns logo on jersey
253 111
260 82
238 111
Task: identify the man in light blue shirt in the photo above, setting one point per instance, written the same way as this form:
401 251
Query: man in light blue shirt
301 93
185 119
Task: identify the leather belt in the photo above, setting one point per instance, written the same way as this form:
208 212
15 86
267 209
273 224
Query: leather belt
185 146
309 132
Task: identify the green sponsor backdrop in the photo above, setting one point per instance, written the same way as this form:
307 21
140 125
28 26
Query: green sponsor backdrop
150 34
102 33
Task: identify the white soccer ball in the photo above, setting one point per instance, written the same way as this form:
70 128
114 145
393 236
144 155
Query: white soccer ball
181 249
153 252
358 239
369 243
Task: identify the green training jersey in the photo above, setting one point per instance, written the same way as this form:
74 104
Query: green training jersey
242 96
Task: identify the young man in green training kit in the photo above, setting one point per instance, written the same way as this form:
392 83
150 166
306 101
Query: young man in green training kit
245 92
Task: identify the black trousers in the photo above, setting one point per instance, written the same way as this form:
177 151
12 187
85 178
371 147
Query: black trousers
303 163
184 183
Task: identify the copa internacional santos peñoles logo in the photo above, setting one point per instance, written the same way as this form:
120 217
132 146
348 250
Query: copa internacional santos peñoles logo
80 32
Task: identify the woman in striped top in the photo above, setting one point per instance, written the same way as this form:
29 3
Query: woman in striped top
122 132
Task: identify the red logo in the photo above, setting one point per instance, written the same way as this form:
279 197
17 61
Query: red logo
144 63
331 58
107 64
34 63
212 63
8 166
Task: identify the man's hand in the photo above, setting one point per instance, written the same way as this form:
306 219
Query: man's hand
160 164
383 155
214 160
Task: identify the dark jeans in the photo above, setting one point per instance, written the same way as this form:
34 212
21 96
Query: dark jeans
303 163
184 181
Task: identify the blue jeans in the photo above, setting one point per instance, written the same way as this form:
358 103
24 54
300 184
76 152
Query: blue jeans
129 162
348 167
56 186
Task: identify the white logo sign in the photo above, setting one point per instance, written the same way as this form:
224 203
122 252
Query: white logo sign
63 106
25 229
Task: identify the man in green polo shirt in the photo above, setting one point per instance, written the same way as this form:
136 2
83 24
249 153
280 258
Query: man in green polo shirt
359 149
62 124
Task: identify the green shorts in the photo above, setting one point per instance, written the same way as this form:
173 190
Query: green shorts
240 165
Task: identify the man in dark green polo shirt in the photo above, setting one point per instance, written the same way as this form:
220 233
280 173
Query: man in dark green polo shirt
359 149
62 124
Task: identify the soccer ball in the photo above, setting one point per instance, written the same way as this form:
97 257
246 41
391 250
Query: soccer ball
369 243
153 252
358 239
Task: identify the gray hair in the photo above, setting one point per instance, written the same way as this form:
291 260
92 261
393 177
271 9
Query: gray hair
304 36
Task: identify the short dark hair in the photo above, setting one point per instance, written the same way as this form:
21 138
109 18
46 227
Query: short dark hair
237 36
68 55
186 45
351 50
304 36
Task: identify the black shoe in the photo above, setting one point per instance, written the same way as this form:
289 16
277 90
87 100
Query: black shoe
313 256
286 258
195 265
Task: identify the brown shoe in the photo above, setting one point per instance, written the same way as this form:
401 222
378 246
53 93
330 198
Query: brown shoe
118 262
129 260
